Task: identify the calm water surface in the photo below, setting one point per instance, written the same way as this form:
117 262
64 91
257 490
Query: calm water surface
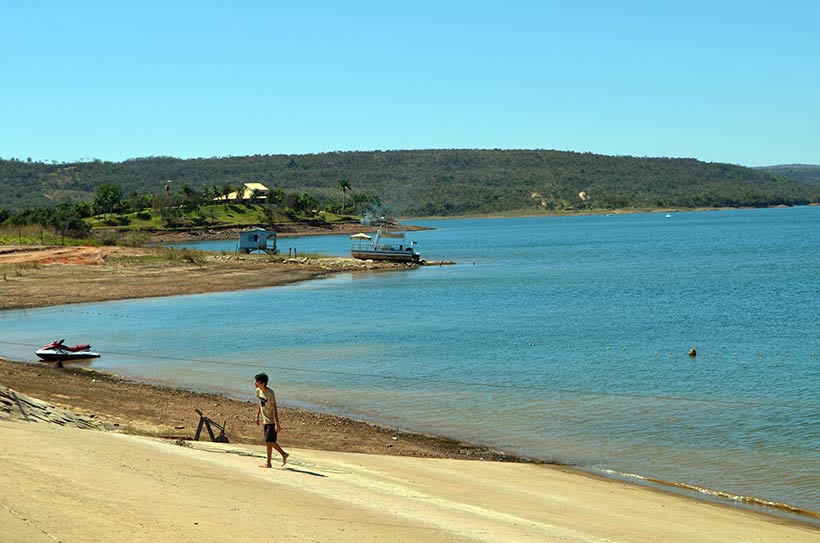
561 338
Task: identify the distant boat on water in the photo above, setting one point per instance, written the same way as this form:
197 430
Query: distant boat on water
385 245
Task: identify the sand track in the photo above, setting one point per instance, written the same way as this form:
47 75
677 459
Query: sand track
12 255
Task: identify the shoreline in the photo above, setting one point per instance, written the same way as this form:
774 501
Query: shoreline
143 408
74 389
282 231
602 212
346 431
287 230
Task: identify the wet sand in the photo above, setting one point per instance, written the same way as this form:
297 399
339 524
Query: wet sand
144 409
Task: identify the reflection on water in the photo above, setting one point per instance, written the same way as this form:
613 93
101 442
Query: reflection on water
559 338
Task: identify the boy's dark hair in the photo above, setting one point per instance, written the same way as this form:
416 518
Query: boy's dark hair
262 378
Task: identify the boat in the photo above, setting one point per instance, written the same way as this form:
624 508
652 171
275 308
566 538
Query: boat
385 245
59 352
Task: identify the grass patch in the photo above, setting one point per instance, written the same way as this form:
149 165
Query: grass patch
165 255
37 235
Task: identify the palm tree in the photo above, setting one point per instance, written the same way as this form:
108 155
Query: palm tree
344 186
226 190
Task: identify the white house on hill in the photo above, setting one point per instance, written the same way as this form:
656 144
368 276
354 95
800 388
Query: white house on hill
249 191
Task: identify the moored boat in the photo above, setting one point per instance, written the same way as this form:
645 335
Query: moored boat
385 245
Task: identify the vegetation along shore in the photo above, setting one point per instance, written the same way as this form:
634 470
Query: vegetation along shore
150 199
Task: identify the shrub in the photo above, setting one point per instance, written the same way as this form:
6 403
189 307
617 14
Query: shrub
107 237
137 238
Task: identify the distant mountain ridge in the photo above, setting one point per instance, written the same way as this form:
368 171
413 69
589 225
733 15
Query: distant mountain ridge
428 182
805 173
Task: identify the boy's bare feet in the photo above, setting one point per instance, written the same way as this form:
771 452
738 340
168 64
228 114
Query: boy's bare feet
264 465
284 459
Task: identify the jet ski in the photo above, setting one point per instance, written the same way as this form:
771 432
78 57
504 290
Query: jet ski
57 351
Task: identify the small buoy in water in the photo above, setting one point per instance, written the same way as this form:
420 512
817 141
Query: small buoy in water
693 352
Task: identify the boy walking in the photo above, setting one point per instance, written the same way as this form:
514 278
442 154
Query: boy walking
269 415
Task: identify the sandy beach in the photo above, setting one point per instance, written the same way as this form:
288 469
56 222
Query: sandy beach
139 477
67 484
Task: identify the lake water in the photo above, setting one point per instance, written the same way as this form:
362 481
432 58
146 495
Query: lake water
560 338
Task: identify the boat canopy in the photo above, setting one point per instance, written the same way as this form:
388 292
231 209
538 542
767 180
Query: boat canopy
386 234
360 236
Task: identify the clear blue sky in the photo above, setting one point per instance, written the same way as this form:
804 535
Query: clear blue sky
720 81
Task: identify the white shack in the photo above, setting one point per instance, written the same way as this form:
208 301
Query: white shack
258 239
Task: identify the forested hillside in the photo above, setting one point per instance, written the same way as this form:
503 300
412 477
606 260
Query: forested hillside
431 182
805 173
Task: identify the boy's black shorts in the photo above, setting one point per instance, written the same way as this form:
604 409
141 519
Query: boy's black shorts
270 433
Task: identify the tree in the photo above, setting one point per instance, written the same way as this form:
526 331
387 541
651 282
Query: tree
67 220
191 199
209 194
362 201
109 198
171 216
306 203
270 216
137 202
226 190
276 196
344 186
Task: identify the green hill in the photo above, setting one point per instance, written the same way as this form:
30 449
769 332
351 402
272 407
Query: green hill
427 182
805 173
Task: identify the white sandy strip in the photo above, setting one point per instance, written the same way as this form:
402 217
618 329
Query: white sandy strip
61 484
